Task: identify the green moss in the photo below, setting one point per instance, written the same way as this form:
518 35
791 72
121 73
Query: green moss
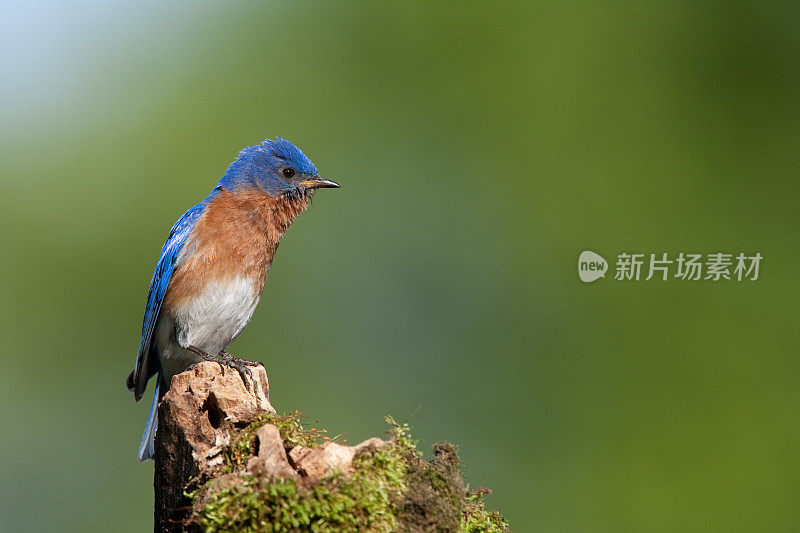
257 505
390 489
477 519
292 433
434 500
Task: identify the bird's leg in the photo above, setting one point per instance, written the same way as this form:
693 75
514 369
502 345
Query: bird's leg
239 364
230 357
202 354
226 359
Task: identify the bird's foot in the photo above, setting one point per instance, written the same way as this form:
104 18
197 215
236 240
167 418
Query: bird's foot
224 359
204 356
230 357
241 365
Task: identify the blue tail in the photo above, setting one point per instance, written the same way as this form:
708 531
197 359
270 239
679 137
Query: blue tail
147 447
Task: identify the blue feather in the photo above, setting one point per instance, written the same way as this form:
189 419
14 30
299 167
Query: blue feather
258 165
285 150
146 365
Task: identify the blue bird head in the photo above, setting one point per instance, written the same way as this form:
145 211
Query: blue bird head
276 167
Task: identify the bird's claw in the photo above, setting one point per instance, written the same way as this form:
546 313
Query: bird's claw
240 365
224 359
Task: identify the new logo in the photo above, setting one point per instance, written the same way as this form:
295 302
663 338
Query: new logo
591 266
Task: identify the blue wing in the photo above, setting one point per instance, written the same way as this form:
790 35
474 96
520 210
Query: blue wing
147 360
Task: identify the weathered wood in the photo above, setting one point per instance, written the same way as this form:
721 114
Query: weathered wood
195 420
248 468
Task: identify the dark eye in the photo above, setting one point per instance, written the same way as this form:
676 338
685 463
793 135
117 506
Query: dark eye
287 172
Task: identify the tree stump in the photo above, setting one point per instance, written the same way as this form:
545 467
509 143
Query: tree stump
225 460
195 420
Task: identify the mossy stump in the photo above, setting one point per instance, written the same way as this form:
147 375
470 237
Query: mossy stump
225 461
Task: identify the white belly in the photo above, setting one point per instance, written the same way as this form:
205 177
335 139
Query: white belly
210 321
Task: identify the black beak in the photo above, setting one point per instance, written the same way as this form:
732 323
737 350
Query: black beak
315 182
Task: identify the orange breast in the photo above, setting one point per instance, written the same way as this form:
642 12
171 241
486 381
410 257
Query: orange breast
237 235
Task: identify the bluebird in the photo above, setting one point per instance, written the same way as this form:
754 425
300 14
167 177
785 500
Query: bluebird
211 271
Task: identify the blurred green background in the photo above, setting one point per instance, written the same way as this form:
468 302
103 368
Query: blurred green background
480 147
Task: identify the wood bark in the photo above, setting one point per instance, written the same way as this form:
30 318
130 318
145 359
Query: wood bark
214 434
195 419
